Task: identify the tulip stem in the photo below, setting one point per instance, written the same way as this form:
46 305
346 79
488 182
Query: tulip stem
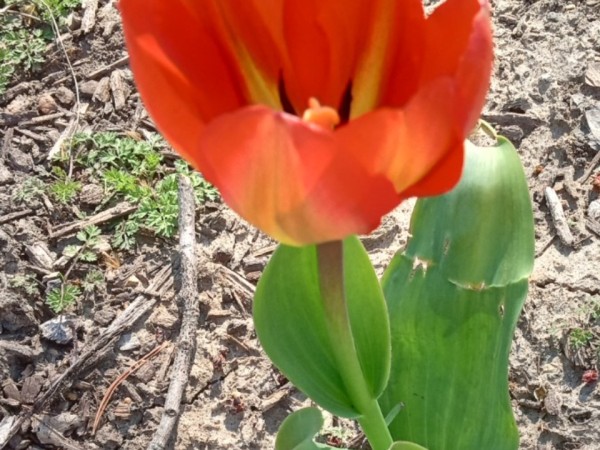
331 278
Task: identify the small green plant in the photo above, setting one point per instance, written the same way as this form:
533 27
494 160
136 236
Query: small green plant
93 280
31 189
131 169
125 232
26 283
595 309
55 8
579 338
63 296
64 189
26 27
87 250
106 151
22 47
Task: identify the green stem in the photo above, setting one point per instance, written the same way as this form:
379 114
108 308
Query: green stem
331 277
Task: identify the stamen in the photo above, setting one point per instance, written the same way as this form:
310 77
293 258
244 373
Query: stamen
325 116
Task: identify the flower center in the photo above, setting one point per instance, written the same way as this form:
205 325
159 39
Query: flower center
324 116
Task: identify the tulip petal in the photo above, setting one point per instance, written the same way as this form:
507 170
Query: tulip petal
169 49
442 177
405 145
389 72
462 29
289 178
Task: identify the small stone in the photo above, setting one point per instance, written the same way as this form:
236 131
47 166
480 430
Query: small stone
15 314
31 388
120 89
133 282
162 318
61 329
91 194
593 120
592 74
40 255
104 317
102 92
129 342
65 96
553 402
88 87
594 210
19 160
6 176
20 105
47 104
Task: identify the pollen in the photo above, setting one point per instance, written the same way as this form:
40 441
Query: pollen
324 116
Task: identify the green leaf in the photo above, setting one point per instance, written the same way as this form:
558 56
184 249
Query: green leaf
454 297
298 430
291 326
491 237
404 445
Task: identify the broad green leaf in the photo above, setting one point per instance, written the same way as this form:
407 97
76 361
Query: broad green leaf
454 297
290 323
298 430
403 445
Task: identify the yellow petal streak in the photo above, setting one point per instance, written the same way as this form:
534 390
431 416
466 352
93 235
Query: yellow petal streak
369 77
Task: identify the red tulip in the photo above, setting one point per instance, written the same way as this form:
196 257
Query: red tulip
236 86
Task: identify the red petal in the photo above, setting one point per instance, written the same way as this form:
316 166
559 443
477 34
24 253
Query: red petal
170 46
405 145
291 179
389 73
442 177
459 44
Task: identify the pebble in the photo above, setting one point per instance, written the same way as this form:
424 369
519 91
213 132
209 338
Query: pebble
129 342
91 194
19 160
592 75
6 176
47 104
594 210
88 87
61 329
65 96
162 318
102 91
593 120
104 317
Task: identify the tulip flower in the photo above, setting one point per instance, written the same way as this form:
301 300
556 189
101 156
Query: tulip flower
314 118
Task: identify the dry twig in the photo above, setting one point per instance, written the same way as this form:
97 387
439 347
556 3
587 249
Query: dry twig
122 209
75 83
558 217
189 301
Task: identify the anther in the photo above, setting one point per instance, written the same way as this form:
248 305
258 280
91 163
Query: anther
324 116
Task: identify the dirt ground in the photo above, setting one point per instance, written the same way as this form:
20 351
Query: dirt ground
545 97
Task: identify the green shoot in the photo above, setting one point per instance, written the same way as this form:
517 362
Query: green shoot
579 338
60 298
26 283
93 280
31 189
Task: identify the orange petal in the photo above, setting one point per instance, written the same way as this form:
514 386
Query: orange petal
442 177
169 49
289 178
405 145
389 71
459 44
